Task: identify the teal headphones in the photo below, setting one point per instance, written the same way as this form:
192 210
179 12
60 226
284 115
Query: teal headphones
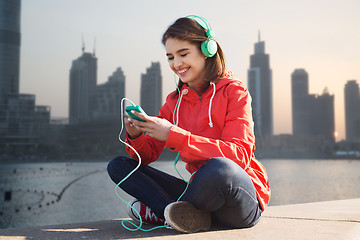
208 47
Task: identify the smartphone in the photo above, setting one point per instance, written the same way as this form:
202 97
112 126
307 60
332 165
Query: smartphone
128 109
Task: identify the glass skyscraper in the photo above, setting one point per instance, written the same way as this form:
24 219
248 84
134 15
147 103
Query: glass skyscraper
10 39
260 88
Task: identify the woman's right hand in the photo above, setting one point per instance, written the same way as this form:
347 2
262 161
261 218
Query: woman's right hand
133 131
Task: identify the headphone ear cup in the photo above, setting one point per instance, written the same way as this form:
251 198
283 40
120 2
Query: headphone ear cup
209 48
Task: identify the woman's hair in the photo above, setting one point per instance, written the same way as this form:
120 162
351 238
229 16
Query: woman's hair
189 30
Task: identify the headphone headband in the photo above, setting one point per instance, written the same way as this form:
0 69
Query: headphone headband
208 47
204 24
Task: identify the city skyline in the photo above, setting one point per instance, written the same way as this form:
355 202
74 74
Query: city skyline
320 37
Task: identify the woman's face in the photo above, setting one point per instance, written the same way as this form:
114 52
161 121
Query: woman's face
186 60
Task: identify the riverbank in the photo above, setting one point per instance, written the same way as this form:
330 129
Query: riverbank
321 220
40 194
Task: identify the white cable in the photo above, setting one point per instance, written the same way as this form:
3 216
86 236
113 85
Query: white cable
177 109
211 99
122 128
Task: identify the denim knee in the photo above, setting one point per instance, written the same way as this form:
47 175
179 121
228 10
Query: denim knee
222 168
119 167
218 181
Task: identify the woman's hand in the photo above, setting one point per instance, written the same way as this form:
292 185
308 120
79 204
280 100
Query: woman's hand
132 131
155 127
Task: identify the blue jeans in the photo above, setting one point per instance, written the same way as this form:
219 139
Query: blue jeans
219 186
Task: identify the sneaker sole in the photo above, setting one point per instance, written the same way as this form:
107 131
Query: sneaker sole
184 217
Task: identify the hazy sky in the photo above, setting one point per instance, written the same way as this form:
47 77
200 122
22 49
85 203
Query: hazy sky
321 36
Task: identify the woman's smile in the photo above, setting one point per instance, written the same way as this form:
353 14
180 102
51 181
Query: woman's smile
183 71
186 60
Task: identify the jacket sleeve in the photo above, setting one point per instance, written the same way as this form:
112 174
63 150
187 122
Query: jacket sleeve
147 147
237 140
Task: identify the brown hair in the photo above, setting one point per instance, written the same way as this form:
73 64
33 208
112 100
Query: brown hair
189 30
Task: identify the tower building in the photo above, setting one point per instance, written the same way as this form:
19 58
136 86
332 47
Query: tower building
10 39
260 88
151 90
83 79
352 111
323 116
300 102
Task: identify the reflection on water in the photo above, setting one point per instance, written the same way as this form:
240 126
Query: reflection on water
56 193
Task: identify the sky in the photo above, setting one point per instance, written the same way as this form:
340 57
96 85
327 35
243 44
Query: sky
320 36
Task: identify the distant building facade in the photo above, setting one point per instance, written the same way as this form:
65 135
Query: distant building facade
151 90
311 114
94 111
260 88
105 100
324 115
83 80
352 111
22 123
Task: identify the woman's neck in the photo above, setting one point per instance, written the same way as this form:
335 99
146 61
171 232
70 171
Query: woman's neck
200 88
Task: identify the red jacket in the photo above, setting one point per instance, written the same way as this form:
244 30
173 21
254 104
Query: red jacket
227 107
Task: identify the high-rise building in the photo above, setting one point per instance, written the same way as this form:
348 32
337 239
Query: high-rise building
312 114
151 90
21 121
322 115
301 118
10 39
352 111
105 100
83 79
260 88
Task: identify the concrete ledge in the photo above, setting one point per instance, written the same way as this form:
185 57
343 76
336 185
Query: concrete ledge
322 220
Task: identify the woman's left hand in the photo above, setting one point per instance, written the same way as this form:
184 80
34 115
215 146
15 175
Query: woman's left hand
155 127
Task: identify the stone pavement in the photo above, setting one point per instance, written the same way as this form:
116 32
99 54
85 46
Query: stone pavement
338 220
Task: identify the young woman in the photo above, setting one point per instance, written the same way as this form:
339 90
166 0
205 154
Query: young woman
209 121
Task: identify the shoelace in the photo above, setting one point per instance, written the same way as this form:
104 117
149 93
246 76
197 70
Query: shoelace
149 215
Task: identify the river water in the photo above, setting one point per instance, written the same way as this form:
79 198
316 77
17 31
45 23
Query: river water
36 194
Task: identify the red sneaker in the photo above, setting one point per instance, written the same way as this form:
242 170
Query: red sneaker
146 214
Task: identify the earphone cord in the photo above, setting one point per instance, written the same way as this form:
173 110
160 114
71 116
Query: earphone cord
127 176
